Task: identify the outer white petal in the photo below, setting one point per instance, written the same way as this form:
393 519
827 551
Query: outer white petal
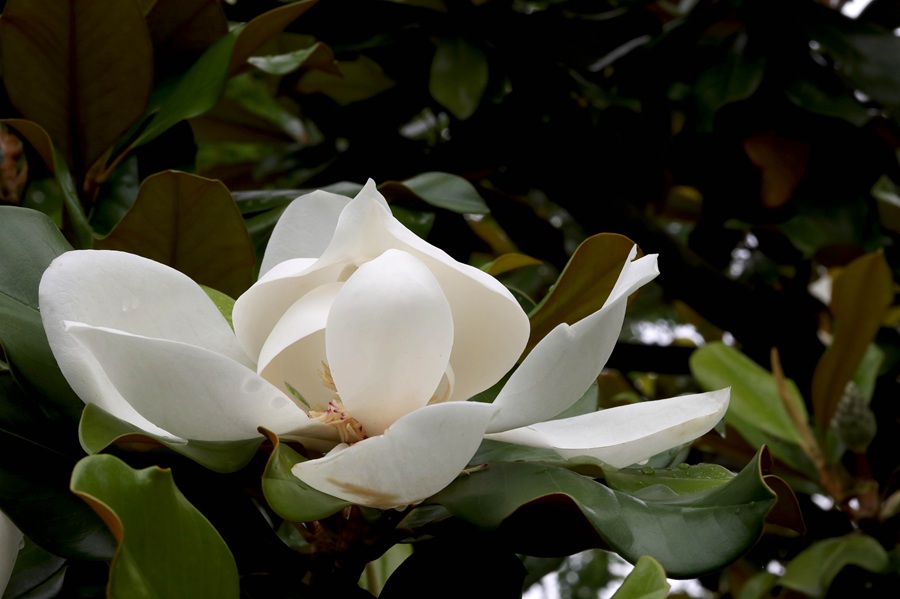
625 435
192 392
10 541
132 294
295 350
565 362
304 229
415 458
388 339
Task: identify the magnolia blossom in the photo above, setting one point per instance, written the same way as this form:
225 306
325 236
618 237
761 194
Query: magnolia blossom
360 339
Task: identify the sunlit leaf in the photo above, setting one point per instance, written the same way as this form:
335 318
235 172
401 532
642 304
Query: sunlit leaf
63 65
812 571
860 296
263 28
459 76
191 224
442 190
166 547
646 581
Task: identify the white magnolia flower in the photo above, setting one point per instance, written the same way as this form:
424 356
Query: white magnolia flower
359 337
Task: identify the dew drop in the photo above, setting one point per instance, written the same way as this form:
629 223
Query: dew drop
683 466
648 470
253 384
278 402
21 543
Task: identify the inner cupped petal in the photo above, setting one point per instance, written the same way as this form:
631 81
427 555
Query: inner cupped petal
388 338
294 352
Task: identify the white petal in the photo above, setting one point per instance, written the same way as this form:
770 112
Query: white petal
491 330
295 350
415 458
192 392
388 339
132 294
629 434
10 541
564 363
305 228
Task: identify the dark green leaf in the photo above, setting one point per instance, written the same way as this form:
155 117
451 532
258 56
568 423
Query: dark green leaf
812 571
441 190
166 547
682 479
646 581
291 498
100 429
688 534
459 76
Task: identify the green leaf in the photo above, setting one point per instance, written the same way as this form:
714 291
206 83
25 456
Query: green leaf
583 286
812 571
359 79
29 241
223 302
682 479
191 224
64 63
689 534
291 498
860 297
646 581
99 429
441 190
263 28
755 402
459 76
55 161
166 547
316 56
34 493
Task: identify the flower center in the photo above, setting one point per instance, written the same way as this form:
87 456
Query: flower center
348 428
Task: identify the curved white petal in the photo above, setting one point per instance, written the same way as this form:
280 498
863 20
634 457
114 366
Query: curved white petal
304 229
414 459
122 291
564 363
10 542
192 392
295 350
388 339
491 330
629 434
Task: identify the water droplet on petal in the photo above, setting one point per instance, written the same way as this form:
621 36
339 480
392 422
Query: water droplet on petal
279 402
253 384
22 543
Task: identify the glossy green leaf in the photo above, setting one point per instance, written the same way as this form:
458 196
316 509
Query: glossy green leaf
195 92
508 262
63 65
646 581
35 495
442 190
263 28
359 79
223 302
682 479
166 547
860 296
733 77
812 571
291 498
191 224
583 286
755 402
459 76
100 429
688 534
29 241
316 56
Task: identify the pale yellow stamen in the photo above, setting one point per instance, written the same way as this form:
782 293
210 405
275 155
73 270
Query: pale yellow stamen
348 427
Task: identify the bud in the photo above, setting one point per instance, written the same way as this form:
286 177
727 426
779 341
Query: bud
853 421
